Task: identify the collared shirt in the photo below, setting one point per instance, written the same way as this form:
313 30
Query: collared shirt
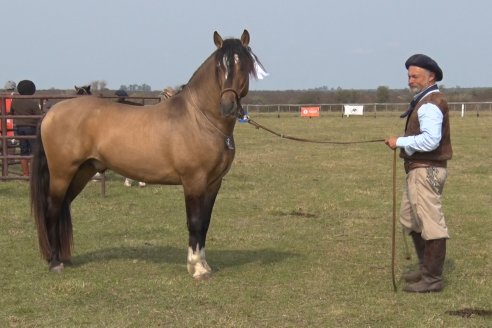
430 120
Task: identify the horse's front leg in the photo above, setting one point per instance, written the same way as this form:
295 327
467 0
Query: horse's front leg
199 211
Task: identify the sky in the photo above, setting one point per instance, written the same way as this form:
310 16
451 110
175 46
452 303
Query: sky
304 44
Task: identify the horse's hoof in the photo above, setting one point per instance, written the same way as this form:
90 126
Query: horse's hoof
67 263
203 277
57 268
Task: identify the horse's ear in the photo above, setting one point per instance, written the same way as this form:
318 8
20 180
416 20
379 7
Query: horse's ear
245 38
218 40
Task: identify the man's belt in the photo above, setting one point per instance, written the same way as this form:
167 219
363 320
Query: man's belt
410 165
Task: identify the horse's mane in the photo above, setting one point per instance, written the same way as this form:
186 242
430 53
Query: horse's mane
225 56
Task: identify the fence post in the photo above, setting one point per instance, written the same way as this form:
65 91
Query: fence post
3 124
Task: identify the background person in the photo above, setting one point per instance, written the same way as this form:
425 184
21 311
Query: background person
425 149
9 129
26 126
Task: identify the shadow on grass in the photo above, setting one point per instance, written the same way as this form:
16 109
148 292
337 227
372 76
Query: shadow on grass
220 259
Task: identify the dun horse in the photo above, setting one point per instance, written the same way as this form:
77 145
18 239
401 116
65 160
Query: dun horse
186 140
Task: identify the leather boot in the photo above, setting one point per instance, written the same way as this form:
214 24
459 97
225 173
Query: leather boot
432 267
419 243
25 167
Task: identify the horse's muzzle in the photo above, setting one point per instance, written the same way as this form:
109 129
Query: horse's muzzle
230 106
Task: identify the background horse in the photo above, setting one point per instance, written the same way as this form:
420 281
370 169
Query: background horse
186 139
83 90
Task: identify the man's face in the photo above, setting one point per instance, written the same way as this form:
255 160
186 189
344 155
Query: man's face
419 78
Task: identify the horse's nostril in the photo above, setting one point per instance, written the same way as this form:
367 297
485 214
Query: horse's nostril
228 108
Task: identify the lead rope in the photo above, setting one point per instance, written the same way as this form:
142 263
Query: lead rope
281 135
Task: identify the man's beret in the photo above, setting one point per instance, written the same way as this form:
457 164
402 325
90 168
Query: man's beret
26 88
426 62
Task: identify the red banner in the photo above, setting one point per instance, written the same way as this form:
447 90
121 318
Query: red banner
310 111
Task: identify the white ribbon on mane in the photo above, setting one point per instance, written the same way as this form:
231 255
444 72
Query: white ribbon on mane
261 73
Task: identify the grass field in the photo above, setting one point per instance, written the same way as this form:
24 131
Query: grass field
300 237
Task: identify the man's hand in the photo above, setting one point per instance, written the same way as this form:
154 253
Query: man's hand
391 142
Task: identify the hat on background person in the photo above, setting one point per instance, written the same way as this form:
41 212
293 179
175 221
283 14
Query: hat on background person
426 62
10 86
121 93
26 87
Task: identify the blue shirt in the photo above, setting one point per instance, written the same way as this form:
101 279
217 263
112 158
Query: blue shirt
430 120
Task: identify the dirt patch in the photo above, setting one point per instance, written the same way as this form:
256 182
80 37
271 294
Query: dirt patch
468 313
298 212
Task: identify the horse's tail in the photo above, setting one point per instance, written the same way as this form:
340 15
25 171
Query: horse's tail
40 182
40 194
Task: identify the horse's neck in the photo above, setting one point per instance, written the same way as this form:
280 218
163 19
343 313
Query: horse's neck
204 86
205 105
204 93
203 89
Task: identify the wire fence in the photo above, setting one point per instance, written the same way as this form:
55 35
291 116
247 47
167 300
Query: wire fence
474 108
9 140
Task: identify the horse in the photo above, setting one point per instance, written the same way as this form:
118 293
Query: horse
83 90
185 140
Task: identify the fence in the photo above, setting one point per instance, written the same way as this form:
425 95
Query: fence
369 109
9 152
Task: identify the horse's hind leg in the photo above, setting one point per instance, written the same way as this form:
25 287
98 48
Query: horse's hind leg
79 181
83 175
199 211
54 225
63 190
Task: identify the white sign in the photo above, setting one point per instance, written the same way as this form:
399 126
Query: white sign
353 110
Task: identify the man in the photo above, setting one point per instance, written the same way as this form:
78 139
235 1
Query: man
26 126
10 88
425 149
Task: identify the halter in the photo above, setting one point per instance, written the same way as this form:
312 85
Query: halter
240 112
231 90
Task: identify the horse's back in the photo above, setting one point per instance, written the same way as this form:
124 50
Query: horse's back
164 140
91 114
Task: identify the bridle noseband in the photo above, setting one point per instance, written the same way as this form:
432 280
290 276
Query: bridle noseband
240 112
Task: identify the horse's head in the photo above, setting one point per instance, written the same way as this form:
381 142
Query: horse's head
235 63
83 90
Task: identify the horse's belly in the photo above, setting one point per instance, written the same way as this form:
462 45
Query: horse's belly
157 173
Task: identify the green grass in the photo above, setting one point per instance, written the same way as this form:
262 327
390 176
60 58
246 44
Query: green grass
300 237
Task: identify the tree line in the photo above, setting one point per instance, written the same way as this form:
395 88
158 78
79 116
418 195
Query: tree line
322 95
382 94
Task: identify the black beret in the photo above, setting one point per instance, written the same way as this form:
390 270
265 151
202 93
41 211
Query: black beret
121 93
425 62
26 88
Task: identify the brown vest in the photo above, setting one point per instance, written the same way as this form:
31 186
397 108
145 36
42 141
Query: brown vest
440 155
26 106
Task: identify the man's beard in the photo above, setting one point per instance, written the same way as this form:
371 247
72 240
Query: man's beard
415 90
